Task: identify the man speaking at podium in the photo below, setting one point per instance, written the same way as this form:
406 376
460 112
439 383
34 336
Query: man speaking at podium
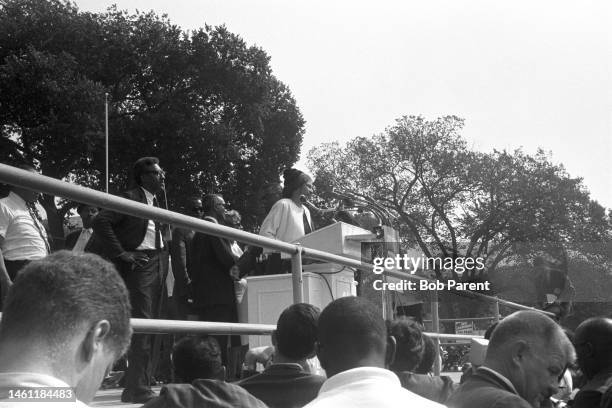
289 219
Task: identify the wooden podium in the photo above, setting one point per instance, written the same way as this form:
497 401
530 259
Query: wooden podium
267 296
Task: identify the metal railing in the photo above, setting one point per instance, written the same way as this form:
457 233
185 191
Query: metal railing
48 185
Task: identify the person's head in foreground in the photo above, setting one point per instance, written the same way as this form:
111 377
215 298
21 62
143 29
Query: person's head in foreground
410 344
296 334
352 333
67 316
200 379
532 352
197 357
428 358
593 340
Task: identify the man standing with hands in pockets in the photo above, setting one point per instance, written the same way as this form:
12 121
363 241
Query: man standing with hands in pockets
135 246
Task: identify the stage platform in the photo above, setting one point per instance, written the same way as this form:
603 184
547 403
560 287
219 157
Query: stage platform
112 398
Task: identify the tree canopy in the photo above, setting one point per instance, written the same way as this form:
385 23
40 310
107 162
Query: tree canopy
204 102
451 201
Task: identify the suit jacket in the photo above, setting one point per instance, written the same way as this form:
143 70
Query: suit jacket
209 270
114 233
204 393
180 251
591 394
284 386
485 390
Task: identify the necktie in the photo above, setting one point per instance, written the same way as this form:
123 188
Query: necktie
157 228
38 222
307 229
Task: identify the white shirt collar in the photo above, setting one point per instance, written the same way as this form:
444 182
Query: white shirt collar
17 199
359 374
150 196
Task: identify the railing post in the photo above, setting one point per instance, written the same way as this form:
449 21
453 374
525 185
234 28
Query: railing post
296 272
435 319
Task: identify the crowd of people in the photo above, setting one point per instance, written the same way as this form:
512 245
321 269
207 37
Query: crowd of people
65 321
208 271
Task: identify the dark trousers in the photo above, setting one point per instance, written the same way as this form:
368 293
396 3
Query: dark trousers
145 285
12 267
221 313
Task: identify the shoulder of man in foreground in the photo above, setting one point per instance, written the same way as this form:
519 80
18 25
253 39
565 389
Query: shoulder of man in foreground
470 395
204 393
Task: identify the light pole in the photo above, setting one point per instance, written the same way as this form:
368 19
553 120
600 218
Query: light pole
106 139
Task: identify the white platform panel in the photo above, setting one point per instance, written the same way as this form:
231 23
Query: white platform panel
267 296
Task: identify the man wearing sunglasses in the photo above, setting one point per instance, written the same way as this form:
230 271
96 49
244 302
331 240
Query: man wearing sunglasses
136 248
209 267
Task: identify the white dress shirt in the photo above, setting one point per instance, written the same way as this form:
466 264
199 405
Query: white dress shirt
34 381
149 240
370 387
84 236
21 232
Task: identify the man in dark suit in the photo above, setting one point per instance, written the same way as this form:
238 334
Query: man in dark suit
287 383
180 252
209 269
593 341
135 246
526 358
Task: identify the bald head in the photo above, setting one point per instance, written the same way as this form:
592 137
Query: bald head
531 351
594 346
529 326
352 333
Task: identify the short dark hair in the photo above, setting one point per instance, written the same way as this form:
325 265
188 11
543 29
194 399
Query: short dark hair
82 206
410 346
53 296
196 357
208 202
141 166
428 358
351 327
296 331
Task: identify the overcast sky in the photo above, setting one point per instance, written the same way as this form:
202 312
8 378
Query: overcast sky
522 73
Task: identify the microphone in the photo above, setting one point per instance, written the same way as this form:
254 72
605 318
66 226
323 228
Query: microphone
313 207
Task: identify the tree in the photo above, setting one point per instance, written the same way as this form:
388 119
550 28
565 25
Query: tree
204 102
453 202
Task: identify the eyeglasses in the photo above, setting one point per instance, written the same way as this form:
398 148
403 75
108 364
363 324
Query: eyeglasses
198 209
159 173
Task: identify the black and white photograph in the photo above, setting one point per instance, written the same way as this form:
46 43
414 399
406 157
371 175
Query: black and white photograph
286 204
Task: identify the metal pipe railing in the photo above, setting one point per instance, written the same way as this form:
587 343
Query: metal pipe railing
48 185
452 336
159 326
